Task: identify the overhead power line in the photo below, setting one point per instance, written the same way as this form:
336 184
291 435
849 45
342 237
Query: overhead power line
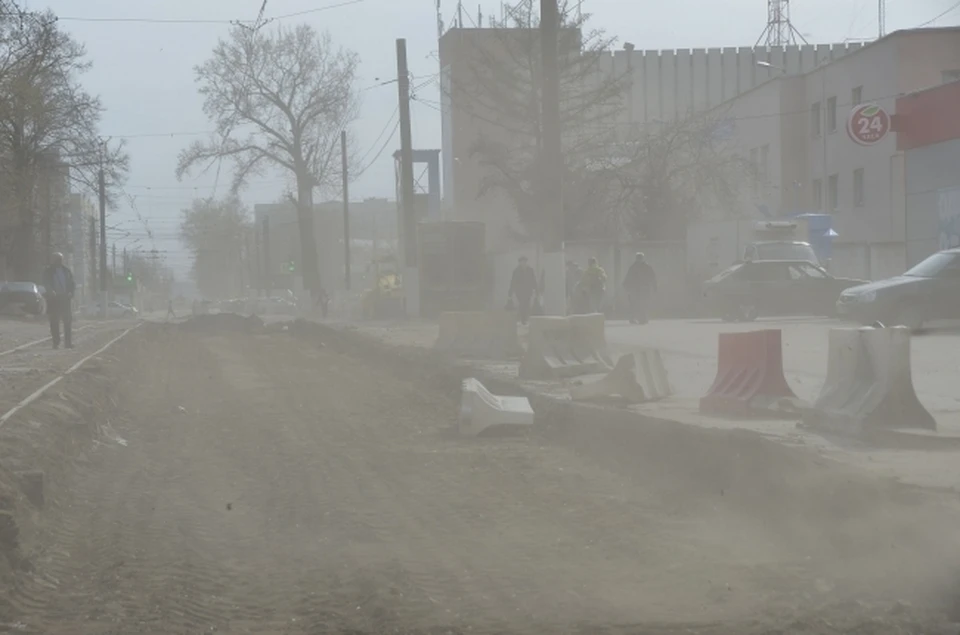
951 9
147 20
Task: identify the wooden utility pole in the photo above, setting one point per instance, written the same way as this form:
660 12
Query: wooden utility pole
267 277
551 157
346 209
408 227
102 190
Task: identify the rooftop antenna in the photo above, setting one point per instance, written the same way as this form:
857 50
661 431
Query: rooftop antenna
882 17
439 22
779 31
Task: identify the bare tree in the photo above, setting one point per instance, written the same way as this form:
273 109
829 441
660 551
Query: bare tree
48 126
278 100
659 182
215 232
503 90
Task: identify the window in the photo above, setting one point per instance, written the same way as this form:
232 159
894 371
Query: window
858 187
811 271
817 194
856 96
815 119
832 191
832 114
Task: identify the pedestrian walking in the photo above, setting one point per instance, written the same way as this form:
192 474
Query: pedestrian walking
573 275
640 284
523 287
58 279
593 286
170 313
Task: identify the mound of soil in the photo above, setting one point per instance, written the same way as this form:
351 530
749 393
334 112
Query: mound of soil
216 323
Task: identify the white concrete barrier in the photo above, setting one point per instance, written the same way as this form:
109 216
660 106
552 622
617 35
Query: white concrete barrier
560 347
637 378
481 410
869 384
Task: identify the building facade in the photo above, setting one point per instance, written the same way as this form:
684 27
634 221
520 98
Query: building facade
659 87
793 128
929 138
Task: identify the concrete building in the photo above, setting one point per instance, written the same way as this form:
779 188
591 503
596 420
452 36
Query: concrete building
793 128
929 138
373 231
661 86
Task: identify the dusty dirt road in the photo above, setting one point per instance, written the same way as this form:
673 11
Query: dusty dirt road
267 484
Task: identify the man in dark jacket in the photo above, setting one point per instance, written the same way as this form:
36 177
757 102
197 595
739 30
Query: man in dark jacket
58 280
640 284
523 286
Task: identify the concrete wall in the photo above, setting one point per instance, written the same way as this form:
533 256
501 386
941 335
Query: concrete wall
933 199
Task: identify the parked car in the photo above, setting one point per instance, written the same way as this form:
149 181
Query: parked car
927 292
21 297
758 288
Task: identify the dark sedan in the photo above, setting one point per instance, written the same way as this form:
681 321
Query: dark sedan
21 297
929 291
750 290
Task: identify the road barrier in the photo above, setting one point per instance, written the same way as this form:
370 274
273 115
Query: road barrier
565 347
750 377
483 334
869 384
481 410
637 378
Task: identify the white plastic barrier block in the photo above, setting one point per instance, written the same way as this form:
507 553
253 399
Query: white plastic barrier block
637 378
481 410
560 347
869 384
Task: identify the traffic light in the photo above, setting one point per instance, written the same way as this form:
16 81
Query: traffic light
291 266
130 277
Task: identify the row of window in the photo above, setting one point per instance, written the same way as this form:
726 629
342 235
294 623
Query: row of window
833 191
816 120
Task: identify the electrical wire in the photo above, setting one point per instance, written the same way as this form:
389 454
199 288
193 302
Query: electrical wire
951 9
73 18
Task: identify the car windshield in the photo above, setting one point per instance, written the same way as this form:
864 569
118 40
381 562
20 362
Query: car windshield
784 251
932 266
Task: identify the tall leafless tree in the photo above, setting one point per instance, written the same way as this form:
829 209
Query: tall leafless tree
48 126
279 100
502 91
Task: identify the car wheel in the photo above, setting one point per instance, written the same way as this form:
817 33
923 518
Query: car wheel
747 312
909 316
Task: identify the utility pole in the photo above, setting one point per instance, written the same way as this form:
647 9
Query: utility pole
102 187
551 158
409 225
93 258
267 279
115 259
346 209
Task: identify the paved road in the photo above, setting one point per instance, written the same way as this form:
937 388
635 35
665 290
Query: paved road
690 351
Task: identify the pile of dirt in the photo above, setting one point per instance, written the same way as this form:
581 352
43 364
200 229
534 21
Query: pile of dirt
216 323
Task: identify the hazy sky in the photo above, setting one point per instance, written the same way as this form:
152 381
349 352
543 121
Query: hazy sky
144 72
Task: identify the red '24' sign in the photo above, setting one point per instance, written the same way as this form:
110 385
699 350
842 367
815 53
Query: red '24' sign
868 124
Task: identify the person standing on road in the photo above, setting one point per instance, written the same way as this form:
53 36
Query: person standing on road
523 286
640 284
58 280
593 285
